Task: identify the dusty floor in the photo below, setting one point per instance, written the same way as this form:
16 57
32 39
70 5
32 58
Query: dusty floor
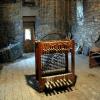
13 83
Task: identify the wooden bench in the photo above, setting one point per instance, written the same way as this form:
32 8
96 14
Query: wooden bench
94 57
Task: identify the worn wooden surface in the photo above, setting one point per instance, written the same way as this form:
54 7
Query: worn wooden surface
13 83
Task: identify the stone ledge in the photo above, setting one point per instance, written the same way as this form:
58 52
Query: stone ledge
10 53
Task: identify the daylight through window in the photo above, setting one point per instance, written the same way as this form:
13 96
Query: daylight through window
27 34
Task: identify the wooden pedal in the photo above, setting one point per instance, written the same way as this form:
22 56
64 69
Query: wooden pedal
59 82
70 81
63 81
53 84
56 83
46 85
67 83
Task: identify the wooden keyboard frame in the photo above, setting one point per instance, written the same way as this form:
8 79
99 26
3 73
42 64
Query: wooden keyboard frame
59 46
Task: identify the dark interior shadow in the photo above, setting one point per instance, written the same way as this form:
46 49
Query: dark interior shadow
31 81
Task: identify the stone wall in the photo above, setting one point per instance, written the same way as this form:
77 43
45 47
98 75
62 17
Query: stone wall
10 24
11 29
92 22
54 17
88 33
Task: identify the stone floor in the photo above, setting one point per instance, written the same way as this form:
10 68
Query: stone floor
13 81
